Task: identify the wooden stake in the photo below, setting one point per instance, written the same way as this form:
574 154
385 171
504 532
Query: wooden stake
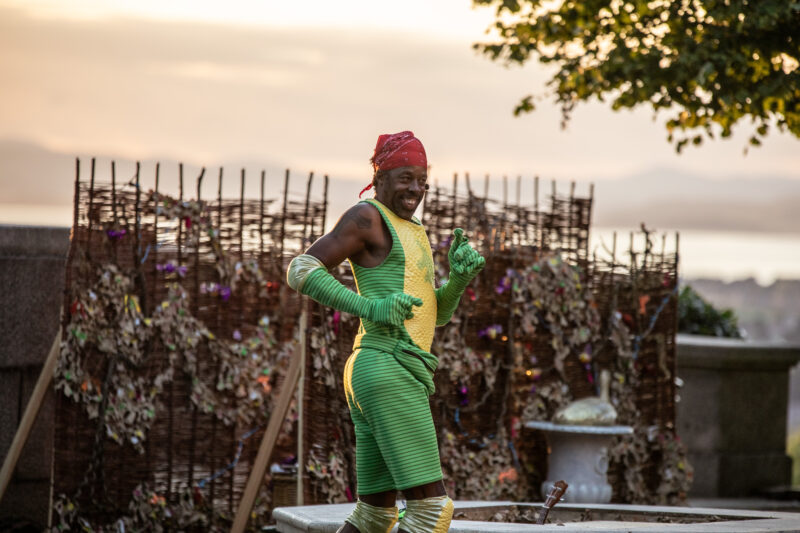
455 199
519 213
538 236
268 442
31 411
114 191
283 219
241 218
570 211
614 252
261 220
77 193
325 206
90 214
300 394
589 217
469 202
305 211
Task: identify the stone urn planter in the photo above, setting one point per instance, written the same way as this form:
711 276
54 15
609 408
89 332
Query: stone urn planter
579 456
579 437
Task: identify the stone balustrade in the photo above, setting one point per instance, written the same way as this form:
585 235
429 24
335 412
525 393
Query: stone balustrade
732 413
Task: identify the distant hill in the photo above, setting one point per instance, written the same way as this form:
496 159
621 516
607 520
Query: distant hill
670 200
662 198
774 215
31 174
669 184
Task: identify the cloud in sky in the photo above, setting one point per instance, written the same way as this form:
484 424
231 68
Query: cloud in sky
294 92
443 17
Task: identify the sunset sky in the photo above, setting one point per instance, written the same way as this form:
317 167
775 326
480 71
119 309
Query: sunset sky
308 85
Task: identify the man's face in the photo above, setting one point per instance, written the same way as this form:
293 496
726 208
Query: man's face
401 189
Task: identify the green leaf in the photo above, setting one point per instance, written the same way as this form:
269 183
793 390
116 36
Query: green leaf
526 105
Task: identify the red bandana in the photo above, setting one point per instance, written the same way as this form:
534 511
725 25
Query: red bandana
397 150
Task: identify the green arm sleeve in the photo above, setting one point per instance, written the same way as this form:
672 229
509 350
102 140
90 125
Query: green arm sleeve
308 275
322 287
465 263
448 296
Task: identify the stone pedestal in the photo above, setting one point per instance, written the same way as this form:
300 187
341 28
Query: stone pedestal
732 413
579 456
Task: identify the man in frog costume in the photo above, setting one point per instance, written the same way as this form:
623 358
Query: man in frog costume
389 376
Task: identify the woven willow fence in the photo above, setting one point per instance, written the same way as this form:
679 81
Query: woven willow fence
180 327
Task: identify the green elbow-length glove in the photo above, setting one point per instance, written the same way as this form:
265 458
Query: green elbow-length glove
318 284
465 263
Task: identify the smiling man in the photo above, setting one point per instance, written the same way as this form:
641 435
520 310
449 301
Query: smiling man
389 376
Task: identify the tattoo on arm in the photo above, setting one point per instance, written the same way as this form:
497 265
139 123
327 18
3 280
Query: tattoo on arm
358 219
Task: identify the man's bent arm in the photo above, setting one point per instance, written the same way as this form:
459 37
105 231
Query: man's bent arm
308 273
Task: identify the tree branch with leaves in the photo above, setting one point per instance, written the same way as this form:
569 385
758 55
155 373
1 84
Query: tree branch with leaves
707 63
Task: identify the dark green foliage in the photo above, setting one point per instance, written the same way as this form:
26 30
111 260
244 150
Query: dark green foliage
706 63
699 317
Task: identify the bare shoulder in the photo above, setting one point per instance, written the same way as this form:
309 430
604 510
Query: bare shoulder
353 233
362 217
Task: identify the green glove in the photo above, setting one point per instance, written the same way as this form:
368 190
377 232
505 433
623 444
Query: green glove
391 310
465 263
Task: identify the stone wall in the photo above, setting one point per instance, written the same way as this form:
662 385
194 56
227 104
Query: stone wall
32 261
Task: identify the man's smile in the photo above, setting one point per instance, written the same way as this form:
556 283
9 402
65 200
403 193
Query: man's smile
411 202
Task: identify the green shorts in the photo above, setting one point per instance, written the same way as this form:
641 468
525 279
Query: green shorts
396 445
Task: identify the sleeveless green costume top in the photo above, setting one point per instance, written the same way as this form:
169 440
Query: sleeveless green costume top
408 268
